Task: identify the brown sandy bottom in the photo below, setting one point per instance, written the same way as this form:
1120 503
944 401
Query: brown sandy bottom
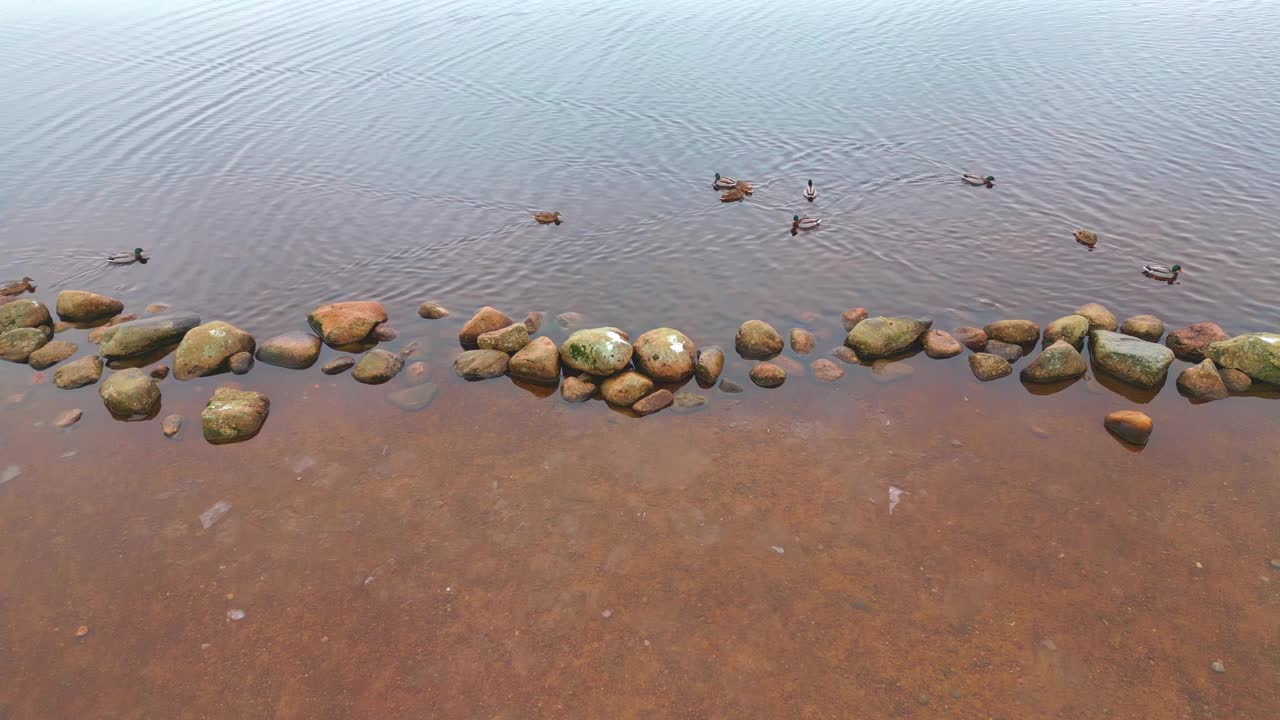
500 555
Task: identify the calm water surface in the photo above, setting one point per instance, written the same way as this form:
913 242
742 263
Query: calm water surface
504 555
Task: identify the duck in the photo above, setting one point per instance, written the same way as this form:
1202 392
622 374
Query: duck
16 287
975 180
1086 237
804 223
724 183
810 192
743 187
1162 272
127 258
732 195
546 218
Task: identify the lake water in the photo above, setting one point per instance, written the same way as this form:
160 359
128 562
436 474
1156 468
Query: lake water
502 554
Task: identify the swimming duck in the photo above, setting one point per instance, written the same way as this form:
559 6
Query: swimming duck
1162 272
743 187
127 258
805 223
1087 237
546 218
723 183
17 287
810 192
972 179
732 195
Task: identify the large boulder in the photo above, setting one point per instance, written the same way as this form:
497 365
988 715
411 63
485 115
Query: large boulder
539 362
709 364
78 373
597 351
883 336
140 337
52 353
23 313
665 354
1099 317
232 415
295 350
1190 342
17 345
1129 425
81 306
1014 332
986 366
481 364
1256 355
1147 327
1073 329
205 349
940 344
757 339
624 389
377 366
130 394
508 339
346 323
1135 361
485 320
1202 382
1060 361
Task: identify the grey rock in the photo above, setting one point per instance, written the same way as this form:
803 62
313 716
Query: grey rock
1134 361
377 366
295 350
145 335
338 365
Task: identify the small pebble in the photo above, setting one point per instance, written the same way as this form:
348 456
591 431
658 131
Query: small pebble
1275 564
10 472
1217 666
956 443
923 698
729 386
82 631
778 549
160 372
607 613
1048 644
171 425
1039 431
68 418
338 365
235 614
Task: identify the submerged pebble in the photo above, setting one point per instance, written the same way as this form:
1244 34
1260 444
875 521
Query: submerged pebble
216 512
68 418
338 365
1217 666
729 386
171 425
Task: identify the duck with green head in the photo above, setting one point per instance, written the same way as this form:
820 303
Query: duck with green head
724 183
1168 273
804 223
127 258
975 180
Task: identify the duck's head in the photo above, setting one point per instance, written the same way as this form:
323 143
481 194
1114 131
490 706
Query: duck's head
1176 269
795 218
810 183
717 176
137 252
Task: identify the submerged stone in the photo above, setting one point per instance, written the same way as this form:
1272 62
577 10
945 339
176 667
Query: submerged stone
802 341
481 364
1137 362
232 415
78 373
414 398
653 402
51 353
146 335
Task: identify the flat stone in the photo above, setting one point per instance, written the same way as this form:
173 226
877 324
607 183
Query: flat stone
68 418
51 353
1189 343
1134 361
481 364
802 341
1217 666
485 320
1073 329
826 370
233 415
413 398
625 388
206 349
598 351
1008 351
757 339
1147 327
146 335
1014 332
17 345
1130 425
1099 317
538 362
1058 362
845 355
709 364
377 366
768 375
689 400
939 344
295 350
78 373
653 402
879 337
665 354
887 371
1256 355
851 318
82 306
729 386
1202 382
971 337
432 310
346 323
986 366
156 308
240 363
338 365
130 394
171 425
577 389
509 339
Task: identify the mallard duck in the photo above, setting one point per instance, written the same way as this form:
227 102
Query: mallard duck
1087 237
972 179
732 195
546 218
805 223
810 192
17 287
1162 272
743 187
724 183
127 258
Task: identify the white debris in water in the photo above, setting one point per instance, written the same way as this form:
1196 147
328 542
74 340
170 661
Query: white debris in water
70 453
10 473
214 513
777 548
607 613
235 614
368 580
895 495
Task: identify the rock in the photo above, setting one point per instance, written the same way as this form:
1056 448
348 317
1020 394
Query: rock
129 394
577 389
1236 381
432 310
295 350
338 365
140 337
159 372
1014 332
240 363
971 337
157 308
1060 361
825 370
384 333
533 321
485 320
95 335
879 337
940 344
121 319
1256 355
1190 342
1137 362
413 398
851 318
709 364
729 386
757 339
689 400
481 364
569 320
68 418
986 366
346 323
624 389
81 306
1129 425
17 345
886 371
768 375
416 373
78 373
1146 327
653 402
377 366
845 354
1008 351
538 362
232 415
23 314
802 341
598 351
205 349
665 354
61 327
1073 329
508 339
1099 317
1217 666
1202 382
171 425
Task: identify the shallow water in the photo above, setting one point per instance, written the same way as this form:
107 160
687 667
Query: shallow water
502 554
